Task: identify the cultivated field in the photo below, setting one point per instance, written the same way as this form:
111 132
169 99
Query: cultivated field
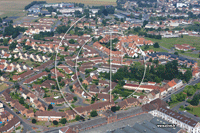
15 7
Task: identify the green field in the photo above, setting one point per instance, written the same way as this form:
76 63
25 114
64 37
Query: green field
154 49
195 111
169 42
190 54
16 7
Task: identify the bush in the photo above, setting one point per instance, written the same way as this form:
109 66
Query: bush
189 100
156 45
187 108
55 122
75 98
63 121
93 113
77 118
50 106
182 107
34 121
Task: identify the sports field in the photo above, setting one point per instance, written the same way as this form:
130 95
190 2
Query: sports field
15 7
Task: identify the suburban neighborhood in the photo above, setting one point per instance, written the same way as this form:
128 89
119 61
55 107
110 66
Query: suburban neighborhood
129 67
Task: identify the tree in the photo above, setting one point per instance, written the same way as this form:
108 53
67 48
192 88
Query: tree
188 75
81 80
49 76
50 106
173 98
27 106
75 98
181 96
53 87
47 70
77 118
105 12
34 121
93 113
21 100
104 22
63 121
140 16
197 86
145 23
190 90
55 122
78 14
182 107
195 100
176 53
70 87
113 109
12 46
71 41
59 79
62 83
146 47
156 45
17 86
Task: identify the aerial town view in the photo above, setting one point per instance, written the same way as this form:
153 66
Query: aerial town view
100 66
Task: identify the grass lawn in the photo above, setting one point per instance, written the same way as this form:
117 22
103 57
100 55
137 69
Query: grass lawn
28 62
71 121
42 123
174 104
87 101
190 54
195 111
3 87
154 49
198 61
169 42
139 94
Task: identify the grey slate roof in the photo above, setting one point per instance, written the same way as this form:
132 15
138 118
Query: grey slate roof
157 120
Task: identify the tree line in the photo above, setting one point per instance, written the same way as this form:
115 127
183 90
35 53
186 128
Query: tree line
34 3
156 74
41 35
10 30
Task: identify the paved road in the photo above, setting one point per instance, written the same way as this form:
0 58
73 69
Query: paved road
79 101
57 23
27 127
